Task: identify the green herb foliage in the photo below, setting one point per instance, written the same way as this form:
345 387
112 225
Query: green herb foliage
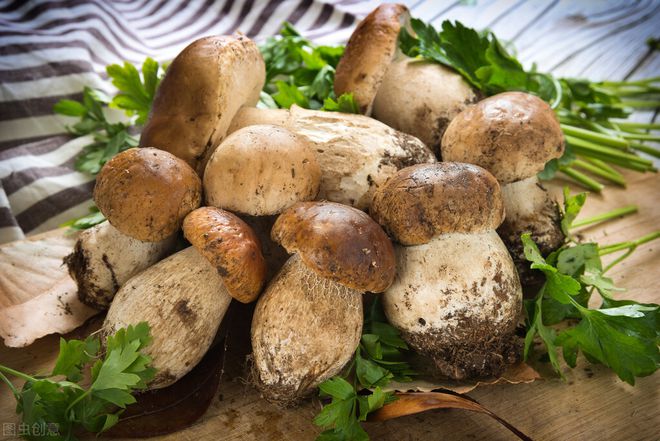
379 359
590 113
60 405
620 334
135 96
302 73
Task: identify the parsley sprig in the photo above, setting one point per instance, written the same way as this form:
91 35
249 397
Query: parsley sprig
302 73
620 334
379 359
60 405
135 96
592 114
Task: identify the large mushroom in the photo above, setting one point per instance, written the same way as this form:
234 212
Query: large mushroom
513 135
145 193
185 296
414 96
456 297
308 322
356 153
203 88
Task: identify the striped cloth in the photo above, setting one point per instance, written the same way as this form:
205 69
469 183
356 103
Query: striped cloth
50 49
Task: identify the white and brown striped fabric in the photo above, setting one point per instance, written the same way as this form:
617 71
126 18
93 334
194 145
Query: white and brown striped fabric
49 50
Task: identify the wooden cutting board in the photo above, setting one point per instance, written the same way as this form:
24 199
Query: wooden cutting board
592 405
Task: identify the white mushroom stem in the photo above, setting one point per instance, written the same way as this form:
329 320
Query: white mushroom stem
304 330
184 300
104 259
529 208
421 98
356 153
458 300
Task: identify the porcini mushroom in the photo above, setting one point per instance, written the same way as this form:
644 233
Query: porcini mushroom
456 297
185 296
103 259
203 88
145 193
261 170
308 322
356 153
513 135
414 96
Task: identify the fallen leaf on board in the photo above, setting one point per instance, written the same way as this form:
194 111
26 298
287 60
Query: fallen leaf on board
410 403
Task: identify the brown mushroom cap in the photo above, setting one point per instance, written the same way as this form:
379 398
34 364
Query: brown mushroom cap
511 134
369 52
203 88
338 242
145 193
425 200
232 247
261 170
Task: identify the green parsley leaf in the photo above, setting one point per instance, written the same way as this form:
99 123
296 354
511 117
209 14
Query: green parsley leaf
94 217
345 103
135 94
62 408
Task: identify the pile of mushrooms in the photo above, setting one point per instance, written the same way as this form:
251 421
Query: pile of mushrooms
248 187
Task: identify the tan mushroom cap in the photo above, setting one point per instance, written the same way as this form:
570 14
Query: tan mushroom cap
338 242
261 170
203 88
145 193
369 52
232 247
425 200
511 134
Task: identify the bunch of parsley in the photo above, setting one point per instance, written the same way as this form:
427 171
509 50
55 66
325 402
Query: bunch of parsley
620 334
135 96
59 404
379 359
302 73
592 114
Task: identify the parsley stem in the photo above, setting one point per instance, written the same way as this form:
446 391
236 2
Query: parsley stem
646 149
582 179
613 248
639 104
609 151
594 136
637 125
616 178
641 136
619 212
15 373
80 398
604 165
10 385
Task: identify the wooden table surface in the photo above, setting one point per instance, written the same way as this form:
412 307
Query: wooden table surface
589 38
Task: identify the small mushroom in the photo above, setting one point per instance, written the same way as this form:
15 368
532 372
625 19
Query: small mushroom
356 153
414 96
456 297
103 259
145 193
203 88
308 322
185 296
513 135
261 170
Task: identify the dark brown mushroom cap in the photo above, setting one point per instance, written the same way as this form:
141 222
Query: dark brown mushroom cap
425 200
511 134
232 247
203 88
369 52
338 242
145 193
